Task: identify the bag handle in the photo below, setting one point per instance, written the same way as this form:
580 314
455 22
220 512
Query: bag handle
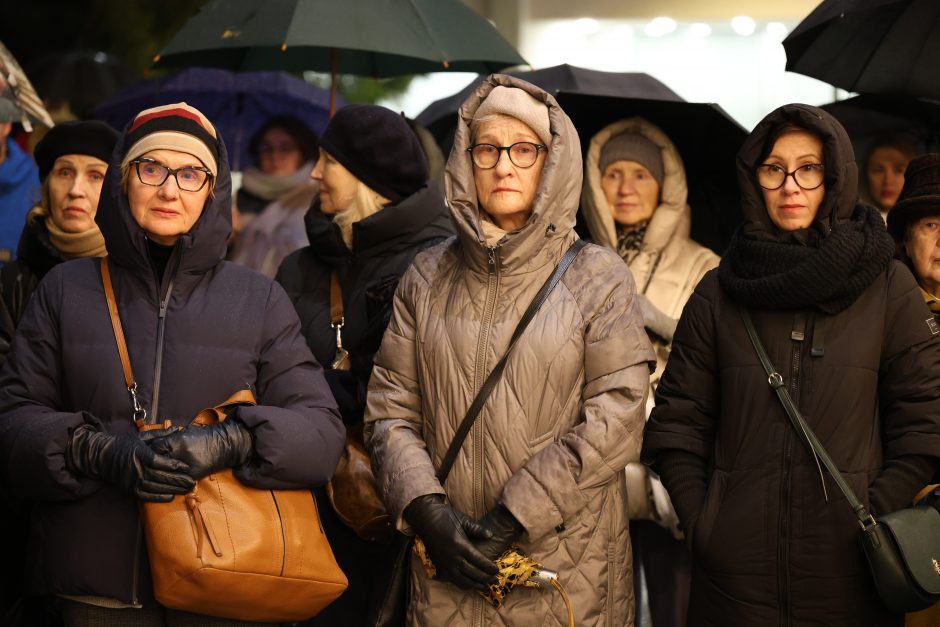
487 388
140 414
775 381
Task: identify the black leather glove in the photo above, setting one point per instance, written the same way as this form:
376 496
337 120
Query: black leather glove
504 530
208 449
127 461
447 536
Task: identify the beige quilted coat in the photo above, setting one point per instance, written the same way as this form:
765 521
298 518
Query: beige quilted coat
567 415
667 268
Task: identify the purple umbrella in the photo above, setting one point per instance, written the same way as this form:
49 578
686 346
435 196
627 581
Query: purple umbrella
237 103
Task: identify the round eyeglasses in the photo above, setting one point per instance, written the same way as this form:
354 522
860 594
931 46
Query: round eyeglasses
521 154
188 178
808 177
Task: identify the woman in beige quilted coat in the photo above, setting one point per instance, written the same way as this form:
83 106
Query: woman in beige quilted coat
634 201
542 466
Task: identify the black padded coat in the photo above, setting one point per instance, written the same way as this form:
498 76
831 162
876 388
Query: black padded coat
768 548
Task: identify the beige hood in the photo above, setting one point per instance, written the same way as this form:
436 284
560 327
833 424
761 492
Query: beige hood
549 230
672 216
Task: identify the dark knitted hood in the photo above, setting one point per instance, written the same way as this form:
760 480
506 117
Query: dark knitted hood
841 179
825 266
200 250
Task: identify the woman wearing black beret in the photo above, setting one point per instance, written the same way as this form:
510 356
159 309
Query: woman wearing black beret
73 158
376 210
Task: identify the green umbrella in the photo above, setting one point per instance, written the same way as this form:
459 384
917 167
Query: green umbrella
377 38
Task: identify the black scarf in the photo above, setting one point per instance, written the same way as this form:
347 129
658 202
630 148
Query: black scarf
828 273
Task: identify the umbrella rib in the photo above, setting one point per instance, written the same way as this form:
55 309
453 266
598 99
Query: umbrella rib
871 54
427 30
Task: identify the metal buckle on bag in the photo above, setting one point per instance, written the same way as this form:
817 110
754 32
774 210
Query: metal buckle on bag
341 359
864 524
140 414
775 380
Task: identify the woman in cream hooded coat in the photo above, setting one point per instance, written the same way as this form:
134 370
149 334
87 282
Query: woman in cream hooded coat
666 265
543 459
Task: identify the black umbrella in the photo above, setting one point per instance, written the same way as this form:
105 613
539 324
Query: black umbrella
706 137
80 79
871 116
440 117
378 38
870 46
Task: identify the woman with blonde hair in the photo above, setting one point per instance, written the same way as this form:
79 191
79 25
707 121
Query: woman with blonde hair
375 211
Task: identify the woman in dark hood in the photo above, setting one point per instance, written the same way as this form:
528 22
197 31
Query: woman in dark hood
198 329
847 329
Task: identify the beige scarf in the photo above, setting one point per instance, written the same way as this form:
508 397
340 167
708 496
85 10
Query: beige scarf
89 243
933 303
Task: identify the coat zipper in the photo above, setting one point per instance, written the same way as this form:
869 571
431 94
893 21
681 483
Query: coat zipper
797 336
158 363
154 408
479 375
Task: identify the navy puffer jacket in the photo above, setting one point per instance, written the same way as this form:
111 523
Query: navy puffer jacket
224 328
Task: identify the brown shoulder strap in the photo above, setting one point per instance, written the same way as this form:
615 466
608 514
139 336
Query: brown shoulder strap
116 322
140 414
336 300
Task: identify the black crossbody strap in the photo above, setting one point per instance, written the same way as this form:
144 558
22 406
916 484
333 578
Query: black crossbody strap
487 388
775 380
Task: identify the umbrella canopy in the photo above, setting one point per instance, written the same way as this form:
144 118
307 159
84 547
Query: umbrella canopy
440 117
19 92
378 38
80 79
236 103
868 117
707 138
870 46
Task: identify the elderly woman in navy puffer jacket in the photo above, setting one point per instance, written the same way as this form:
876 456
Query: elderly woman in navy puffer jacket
198 329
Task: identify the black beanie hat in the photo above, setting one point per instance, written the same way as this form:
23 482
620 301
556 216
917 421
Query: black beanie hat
379 148
919 197
93 138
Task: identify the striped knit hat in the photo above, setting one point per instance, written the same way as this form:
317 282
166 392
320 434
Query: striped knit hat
175 126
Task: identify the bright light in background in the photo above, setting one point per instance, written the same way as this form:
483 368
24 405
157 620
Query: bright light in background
743 25
700 29
660 26
586 26
777 30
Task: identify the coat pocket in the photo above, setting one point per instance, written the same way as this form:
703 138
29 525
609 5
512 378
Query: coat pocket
708 516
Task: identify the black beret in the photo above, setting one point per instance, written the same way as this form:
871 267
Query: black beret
379 148
92 138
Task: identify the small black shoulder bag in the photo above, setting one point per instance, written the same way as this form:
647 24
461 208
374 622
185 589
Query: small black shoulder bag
902 548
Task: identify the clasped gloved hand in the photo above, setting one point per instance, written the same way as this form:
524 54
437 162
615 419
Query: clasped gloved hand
447 535
208 449
128 461
503 528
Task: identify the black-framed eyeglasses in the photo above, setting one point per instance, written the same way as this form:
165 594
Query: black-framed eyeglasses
188 178
521 154
808 176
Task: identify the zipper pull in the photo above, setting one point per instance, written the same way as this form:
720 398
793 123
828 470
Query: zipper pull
491 255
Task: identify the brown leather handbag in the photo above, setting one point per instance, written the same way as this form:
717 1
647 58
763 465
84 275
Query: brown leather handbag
229 550
352 491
